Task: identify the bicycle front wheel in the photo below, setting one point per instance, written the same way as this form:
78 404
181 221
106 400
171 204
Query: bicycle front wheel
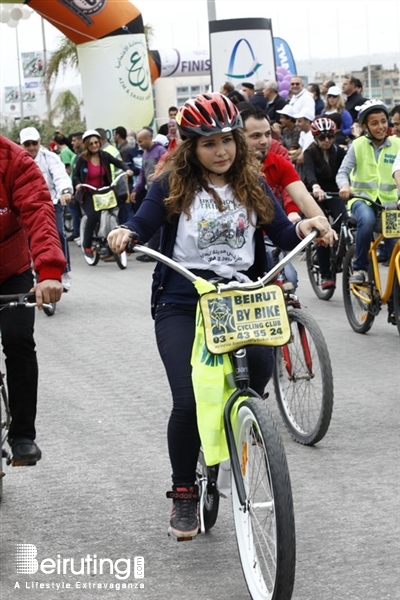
121 259
356 307
92 262
303 380
265 529
314 274
4 425
396 301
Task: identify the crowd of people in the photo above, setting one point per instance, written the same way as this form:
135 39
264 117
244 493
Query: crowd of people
245 155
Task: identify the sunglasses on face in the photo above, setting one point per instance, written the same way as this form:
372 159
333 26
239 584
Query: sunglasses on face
30 143
94 143
295 83
332 96
326 136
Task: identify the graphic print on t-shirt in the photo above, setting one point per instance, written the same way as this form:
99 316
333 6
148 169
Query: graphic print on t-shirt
229 228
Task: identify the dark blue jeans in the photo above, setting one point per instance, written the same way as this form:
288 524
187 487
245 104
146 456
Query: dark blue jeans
59 210
17 327
175 331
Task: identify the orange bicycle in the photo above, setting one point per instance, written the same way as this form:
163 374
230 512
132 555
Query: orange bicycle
364 302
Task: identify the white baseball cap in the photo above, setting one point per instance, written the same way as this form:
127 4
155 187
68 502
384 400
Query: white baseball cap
287 111
334 91
29 134
306 114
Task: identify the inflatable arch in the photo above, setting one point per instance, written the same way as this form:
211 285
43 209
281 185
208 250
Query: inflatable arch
113 58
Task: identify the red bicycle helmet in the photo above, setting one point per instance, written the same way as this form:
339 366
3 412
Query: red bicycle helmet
322 125
207 114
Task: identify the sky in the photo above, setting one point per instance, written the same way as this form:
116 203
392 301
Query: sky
312 29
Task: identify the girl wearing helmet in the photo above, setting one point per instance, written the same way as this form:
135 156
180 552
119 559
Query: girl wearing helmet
322 160
93 166
210 175
366 174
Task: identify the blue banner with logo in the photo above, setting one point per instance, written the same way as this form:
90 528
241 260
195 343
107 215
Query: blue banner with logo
283 56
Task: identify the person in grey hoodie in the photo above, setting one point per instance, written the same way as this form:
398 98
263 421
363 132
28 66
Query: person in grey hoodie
152 152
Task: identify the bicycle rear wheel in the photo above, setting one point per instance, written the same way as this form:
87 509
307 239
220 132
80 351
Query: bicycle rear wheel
4 425
210 506
265 529
357 312
314 275
303 380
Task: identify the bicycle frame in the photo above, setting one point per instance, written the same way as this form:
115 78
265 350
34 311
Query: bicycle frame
394 269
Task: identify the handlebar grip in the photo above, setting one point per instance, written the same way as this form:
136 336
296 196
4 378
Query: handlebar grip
133 241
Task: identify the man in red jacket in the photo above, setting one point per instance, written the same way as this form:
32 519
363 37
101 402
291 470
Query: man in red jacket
27 233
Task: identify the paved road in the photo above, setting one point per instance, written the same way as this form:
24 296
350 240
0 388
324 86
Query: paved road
100 487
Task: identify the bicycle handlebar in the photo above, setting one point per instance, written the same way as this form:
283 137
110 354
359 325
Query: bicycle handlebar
27 300
248 285
105 187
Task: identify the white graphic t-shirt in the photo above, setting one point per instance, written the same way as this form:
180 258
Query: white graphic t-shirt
222 242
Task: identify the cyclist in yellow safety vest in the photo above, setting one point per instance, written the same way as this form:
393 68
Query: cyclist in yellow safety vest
366 174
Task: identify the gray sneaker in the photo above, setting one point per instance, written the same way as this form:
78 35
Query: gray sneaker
358 277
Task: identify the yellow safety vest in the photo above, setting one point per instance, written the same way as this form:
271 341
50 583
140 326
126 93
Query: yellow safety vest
373 179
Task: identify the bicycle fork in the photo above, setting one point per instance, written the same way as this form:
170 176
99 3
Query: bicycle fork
307 355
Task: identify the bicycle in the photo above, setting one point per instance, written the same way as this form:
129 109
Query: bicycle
258 477
12 301
363 302
106 203
337 252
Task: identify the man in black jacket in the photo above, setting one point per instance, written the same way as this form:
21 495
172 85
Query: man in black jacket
350 87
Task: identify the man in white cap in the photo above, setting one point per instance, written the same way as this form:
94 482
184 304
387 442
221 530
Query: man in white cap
58 182
306 138
290 133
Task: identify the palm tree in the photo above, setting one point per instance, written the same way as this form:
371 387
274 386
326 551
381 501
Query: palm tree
68 106
66 55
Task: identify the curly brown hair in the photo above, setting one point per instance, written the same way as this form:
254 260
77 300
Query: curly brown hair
186 177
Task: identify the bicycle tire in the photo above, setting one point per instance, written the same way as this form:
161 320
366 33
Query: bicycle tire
358 316
4 424
211 500
265 531
121 259
314 275
92 262
50 309
396 301
303 380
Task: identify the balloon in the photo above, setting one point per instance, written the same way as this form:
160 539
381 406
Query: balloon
4 14
281 70
287 77
16 13
26 12
284 85
284 93
12 23
279 77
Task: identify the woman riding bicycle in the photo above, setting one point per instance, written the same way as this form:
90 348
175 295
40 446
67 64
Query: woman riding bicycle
321 163
209 179
93 167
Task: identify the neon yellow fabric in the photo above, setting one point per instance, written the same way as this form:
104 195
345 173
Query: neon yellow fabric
211 389
374 179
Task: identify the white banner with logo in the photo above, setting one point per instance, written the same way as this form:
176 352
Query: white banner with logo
241 50
116 82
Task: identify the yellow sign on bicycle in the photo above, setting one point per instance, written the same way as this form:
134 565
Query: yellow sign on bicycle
237 318
104 201
391 223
